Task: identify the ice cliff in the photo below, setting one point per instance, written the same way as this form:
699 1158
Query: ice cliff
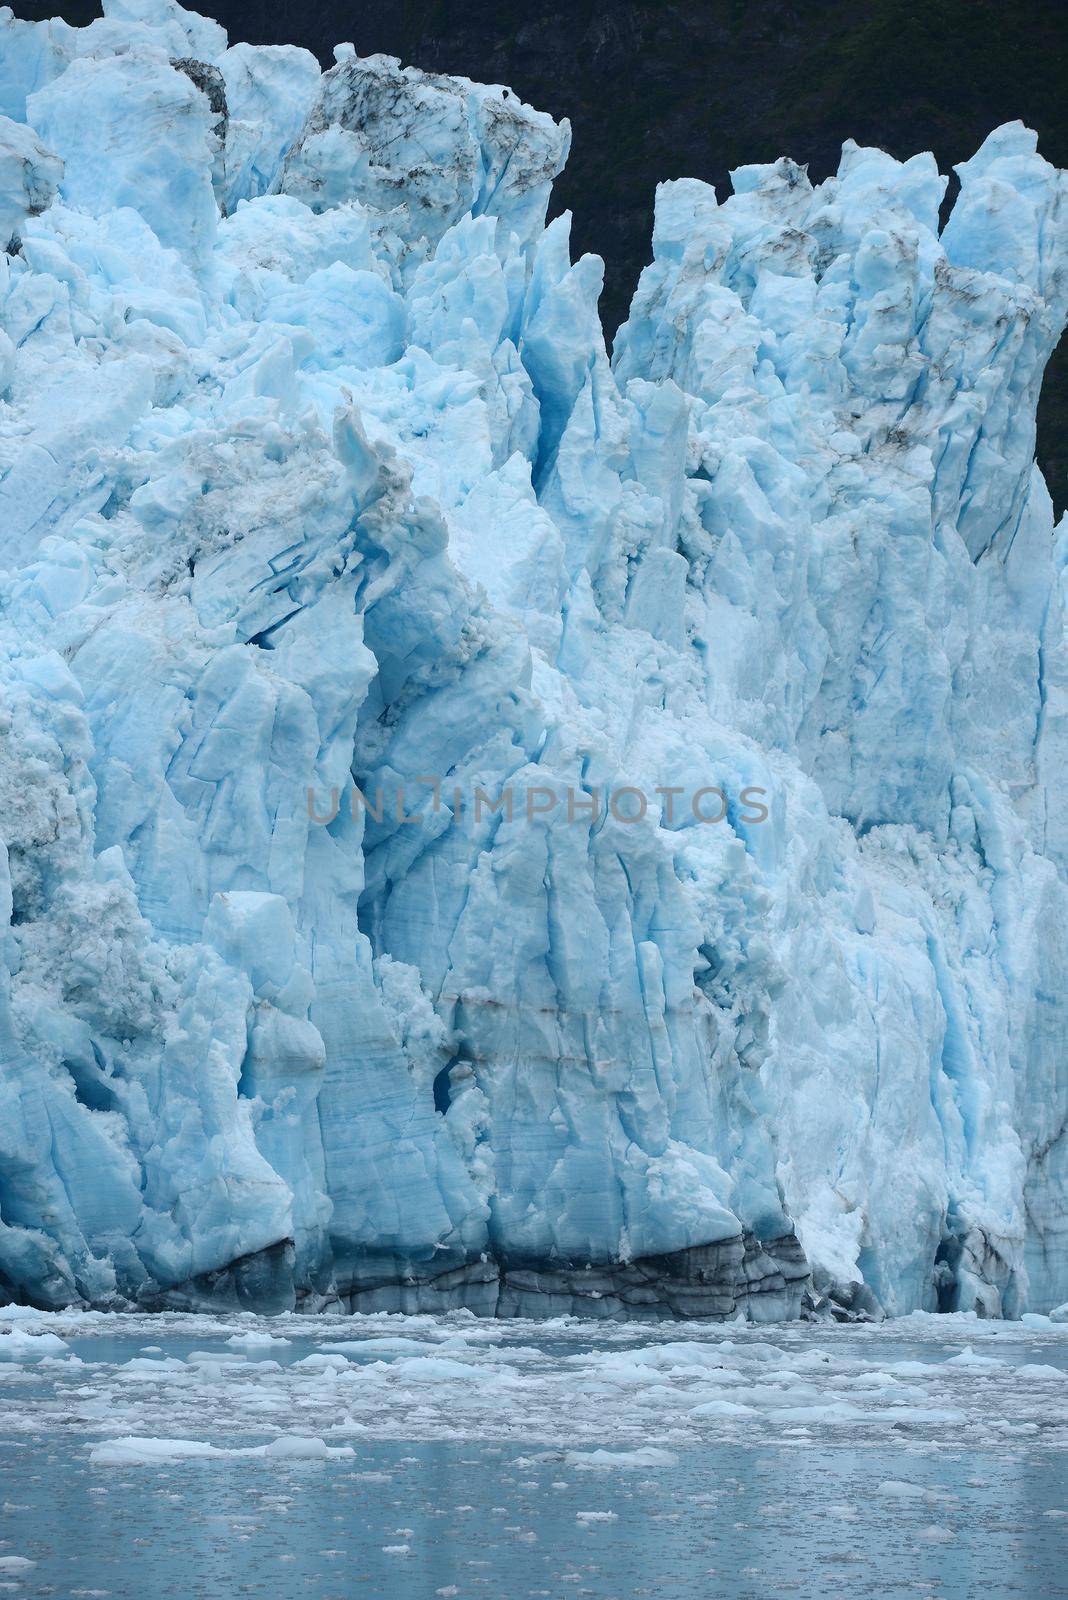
347 580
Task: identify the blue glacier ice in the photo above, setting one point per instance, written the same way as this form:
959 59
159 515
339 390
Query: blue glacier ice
346 578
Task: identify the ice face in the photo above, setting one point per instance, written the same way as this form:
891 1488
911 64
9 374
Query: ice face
347 578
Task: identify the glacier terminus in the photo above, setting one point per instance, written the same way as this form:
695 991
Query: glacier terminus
318 484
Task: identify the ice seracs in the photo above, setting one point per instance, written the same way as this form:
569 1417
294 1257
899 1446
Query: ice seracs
318 485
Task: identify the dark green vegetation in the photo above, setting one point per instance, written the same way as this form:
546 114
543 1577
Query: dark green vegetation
695 87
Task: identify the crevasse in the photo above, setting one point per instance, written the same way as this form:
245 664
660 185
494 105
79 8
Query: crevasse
323 508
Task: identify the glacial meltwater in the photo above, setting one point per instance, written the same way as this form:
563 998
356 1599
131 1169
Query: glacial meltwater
216 1456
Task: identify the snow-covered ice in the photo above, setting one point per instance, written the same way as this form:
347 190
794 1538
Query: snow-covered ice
323 511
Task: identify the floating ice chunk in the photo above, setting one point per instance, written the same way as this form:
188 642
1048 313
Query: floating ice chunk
974 1362
721 1410
131 1452
899 1489
435 1369
606 1460
255 1339
834 1413
23 1316
297 1448
20 1344
384 1345
152 1370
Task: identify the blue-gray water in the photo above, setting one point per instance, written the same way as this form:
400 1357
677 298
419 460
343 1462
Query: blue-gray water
515 1502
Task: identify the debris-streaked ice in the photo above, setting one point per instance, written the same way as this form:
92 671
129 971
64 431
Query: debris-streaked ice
347 578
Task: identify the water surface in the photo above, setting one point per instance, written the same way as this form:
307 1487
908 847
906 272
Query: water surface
518 1459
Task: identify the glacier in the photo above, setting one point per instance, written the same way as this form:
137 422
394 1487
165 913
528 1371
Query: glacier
487 824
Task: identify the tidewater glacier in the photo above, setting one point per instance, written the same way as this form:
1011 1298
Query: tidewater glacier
489 824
